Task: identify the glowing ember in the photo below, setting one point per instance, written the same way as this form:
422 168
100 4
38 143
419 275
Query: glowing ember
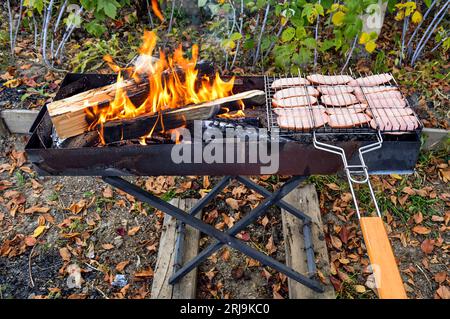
173 83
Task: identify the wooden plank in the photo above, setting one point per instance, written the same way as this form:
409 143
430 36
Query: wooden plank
186 287
387 276
19 121
305 199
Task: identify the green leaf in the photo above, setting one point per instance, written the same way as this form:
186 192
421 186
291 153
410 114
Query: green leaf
310 43
300 33
236 36
326 45
201 3
288 34
249 44
95 28
110 10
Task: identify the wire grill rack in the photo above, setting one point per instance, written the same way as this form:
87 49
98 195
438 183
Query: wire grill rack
383 106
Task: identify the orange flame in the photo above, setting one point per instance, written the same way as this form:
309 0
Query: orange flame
156 10
173 82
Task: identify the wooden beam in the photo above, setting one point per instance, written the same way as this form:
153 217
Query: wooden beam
387 277
186 287
305 199
126 129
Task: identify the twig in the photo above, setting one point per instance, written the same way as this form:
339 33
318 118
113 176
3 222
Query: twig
35 32
47 18
263 26
350 54
58 20
14 31
426 277
272 44
11 26
426 36
402 49
418 27
241 23
150 19
103 294
316 37
171 16
29 266
67 36
439 44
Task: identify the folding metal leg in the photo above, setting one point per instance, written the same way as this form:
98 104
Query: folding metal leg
222 237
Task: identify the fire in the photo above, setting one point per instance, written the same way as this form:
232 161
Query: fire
173 83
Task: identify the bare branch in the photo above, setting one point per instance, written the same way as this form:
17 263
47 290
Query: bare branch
263 26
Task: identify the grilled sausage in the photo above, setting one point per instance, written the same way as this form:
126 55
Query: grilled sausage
295 91
288 82
386 103
371 80
296 101
299 111
355 108
329 79
302 123
402 124
348 120
335 89
339 100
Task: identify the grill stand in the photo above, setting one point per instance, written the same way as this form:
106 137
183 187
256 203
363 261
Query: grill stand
228 237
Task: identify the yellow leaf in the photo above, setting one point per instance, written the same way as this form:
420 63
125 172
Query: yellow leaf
360 289
12 83
400 15
416 17
410 7
364 38
39 230
396 176
370 46
338 18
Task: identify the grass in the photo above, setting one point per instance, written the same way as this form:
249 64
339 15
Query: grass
20 179
53 197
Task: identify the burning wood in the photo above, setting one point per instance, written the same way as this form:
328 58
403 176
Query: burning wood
166 84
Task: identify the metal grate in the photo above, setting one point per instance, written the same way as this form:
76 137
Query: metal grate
383 106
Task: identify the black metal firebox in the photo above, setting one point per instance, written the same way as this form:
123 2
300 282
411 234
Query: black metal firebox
299 156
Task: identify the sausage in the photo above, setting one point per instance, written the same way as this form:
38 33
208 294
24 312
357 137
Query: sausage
335 89
288 82
355 108
371 80
299 111
348 120
329 79
295 91
339 100
403 124
390 112
302 123
380 95
386 103
296 101
374 89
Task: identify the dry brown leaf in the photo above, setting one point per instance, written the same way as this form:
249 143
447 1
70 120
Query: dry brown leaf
65 253
121 266
333 186
133 230
440 277
252 262
108 192
360 289
437 218
206 182
36 209
443 292
422 230
77 207
270 246
30 241
108 246
418 218
233 203
427 246
408 190
336 242
226 254
265 221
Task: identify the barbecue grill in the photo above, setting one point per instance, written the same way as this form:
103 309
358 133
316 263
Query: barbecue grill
358 151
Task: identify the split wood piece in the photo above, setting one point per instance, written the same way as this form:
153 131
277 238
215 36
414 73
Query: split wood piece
69 117
186 287
305 199
387 276
137 127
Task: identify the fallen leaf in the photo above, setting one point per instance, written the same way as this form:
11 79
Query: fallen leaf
30 241
418 218
336 242
133 230
226 254
65 253
437 218
408 190
265 221
443 292
233 203
252 262
108 246
36 209
360 289
78 207
422 230
270 246
108 192
427 246
38 231
440 277
13 83
121 266
333 186
145 273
